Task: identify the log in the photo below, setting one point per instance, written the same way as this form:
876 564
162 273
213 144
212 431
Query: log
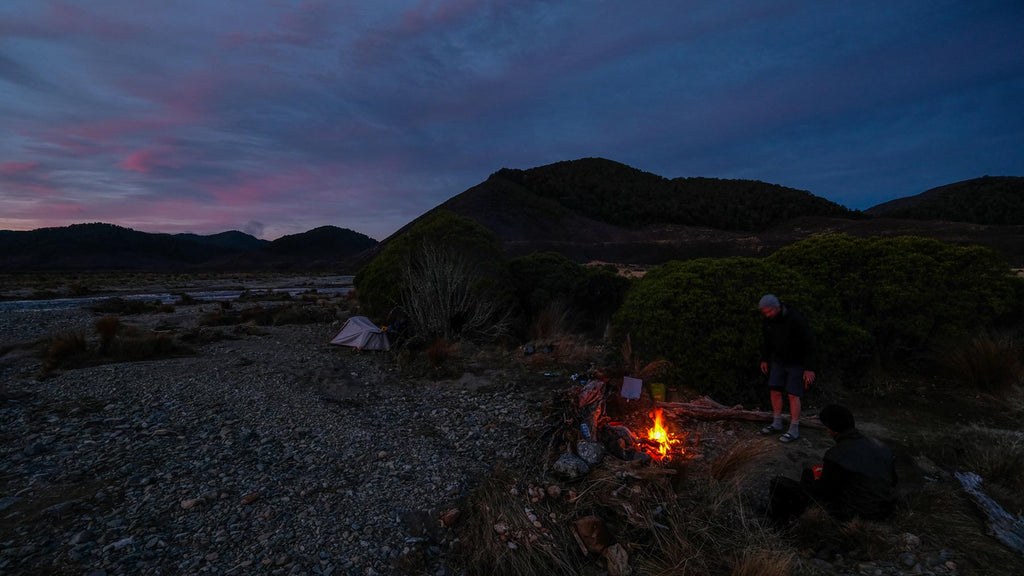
705 408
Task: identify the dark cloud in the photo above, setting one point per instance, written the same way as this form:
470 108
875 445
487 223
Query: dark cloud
276 118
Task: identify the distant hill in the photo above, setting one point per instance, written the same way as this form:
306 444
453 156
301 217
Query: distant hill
101 246
231 240
597 209
323 248
624 196
988 200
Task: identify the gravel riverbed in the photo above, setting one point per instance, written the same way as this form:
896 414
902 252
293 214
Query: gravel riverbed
270 452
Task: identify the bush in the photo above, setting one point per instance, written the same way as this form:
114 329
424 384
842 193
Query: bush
381 282
446 294
906 292
585 296
702 317
64 350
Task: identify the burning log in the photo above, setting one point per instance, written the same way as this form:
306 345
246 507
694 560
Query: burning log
705 408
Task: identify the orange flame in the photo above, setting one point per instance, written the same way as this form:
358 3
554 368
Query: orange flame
659 435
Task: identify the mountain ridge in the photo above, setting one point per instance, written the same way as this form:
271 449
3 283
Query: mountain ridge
586 209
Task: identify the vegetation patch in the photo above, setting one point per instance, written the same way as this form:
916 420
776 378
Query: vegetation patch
115 342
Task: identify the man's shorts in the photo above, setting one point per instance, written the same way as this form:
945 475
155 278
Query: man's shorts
788 378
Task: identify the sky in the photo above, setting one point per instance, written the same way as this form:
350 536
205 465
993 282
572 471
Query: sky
275 117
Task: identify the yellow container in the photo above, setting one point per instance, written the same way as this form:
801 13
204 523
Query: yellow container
658 391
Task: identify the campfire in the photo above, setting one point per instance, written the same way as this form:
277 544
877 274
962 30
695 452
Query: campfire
641 439
660 442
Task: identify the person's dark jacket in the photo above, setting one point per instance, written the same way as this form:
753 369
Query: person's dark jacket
788 340
858 478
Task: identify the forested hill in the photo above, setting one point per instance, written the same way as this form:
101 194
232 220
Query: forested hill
618 194
99 246
995 200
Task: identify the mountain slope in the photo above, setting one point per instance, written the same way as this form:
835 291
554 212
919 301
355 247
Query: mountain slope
624 196
100 246
987 200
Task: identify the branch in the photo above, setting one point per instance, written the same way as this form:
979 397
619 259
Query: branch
705 408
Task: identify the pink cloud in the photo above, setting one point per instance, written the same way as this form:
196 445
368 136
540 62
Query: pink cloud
308 25
148 159
14 168
260 189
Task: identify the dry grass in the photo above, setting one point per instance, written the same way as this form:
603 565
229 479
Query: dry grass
64 349
107 327
553 320
636 367
118 342
498 537
439 352
987 363
740 462
994 454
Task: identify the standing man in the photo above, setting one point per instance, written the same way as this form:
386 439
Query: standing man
789 357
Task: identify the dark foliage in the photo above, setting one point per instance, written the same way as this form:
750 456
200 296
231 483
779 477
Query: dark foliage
612 192
986 200
107 247
589 293
872 302
379 283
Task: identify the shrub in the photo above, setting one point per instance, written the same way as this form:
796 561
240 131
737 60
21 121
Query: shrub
905 292
445 293
380 282
701 316
587 295
125 307
64 350
107 327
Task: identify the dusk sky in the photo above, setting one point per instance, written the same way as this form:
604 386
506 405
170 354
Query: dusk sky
275 117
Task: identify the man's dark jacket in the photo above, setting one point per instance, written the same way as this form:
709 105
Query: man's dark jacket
788 340
858 478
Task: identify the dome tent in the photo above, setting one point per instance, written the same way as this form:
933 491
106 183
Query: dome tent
362 334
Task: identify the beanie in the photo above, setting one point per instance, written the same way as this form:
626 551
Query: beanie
769 301
837 418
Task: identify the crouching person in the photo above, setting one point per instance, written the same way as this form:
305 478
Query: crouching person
857 477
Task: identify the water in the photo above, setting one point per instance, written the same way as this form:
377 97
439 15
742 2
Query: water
338 285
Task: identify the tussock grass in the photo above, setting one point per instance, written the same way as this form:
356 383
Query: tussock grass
126 307
994 454
258 315
670 519
987 363
439 352
498 537
943 513
740 462
63 350
117 342
554 320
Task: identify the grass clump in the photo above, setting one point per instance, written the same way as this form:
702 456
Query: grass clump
64 350
986 363
115 342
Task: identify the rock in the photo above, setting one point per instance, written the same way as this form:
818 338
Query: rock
590 452
570 467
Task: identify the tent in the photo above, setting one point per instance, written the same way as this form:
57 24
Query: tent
360 333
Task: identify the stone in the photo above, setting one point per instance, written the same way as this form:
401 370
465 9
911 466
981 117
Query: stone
570 467
590 452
